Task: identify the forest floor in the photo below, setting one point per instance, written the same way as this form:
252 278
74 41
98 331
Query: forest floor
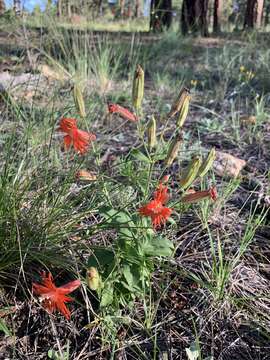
208 298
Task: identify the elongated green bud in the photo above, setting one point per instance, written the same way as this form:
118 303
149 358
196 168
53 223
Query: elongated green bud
183 111
93 278
174 149
138 88
207 163
78 100
191 172
178 103
151 133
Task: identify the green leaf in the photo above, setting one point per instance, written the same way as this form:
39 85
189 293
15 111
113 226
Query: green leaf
120 220
157 246
4 328
128 275
193 352
137 154
107 296
100 257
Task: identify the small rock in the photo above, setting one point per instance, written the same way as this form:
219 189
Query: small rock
228 165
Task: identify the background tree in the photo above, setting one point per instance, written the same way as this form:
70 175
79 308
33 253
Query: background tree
2 6
137 8
260 4
253 13
194 17
218 6
17 6
267 13
160 14
59 8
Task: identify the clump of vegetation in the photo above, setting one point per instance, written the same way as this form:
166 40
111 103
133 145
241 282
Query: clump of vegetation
134 207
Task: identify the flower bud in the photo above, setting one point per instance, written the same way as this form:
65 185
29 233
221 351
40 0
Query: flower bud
78 100
93 278
178 103
191 172
138 88
183 111
207 163
173 149
151 133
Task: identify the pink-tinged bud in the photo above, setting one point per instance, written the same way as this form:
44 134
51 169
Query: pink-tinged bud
213 193
123 112
165 179
196 196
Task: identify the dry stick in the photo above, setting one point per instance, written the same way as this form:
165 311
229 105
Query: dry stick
56 336
29 56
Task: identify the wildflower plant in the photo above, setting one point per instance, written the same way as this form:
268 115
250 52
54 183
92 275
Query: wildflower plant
135 205
121 273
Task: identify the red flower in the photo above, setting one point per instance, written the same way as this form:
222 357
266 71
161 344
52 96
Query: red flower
54 298
156 209
123 112
78 138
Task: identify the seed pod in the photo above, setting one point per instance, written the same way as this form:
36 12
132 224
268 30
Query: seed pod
78 100
207 163
191 172
183 111
173 149
178 103
151 133
93 278
138 88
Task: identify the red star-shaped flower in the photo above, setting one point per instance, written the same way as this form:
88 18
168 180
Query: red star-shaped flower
155 209
54 298
78 138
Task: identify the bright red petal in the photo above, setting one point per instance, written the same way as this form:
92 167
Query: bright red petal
86 136
67 141
149 208
67 124
54 297
63 309
161 194
69 287
81 140
161 217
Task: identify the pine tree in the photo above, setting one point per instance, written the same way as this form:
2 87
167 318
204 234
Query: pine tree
160 15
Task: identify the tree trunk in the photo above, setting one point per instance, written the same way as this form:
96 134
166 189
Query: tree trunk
160 15
59 8
267 13
17 6
250 14
100 11
2 6
194 17
69 12
217 16
259 13
122 8
137 9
